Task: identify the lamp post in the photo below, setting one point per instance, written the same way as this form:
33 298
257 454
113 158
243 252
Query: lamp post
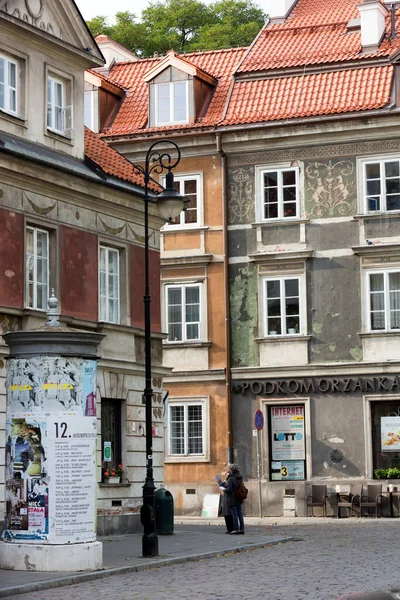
170 204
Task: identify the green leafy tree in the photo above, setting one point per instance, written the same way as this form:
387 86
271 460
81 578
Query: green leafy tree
184 26
99 25
174 24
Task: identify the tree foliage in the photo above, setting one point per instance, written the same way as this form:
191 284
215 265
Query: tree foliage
184 26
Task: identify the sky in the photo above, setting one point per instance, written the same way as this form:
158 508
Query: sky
92 8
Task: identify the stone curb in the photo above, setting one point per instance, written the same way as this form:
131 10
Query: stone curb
84 577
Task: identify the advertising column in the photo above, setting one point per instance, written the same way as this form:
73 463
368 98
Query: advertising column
50 463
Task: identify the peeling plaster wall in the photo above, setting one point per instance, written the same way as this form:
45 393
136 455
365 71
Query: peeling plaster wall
333 301
243 300
337 451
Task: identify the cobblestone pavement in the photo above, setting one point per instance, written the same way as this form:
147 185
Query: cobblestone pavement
324 562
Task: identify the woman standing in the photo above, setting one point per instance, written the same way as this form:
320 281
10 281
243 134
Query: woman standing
231 486
224 505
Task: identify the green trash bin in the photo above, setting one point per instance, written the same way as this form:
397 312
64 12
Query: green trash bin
164 512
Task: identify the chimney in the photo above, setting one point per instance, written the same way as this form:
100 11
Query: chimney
373 23
278 10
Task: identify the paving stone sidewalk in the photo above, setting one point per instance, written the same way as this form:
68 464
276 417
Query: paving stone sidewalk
327 559
122 554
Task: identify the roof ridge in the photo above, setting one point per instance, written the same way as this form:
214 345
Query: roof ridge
304 27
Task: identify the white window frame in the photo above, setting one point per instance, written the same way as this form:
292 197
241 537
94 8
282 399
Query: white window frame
204 402
106 296
184 286
385 273
362 183
198 177
66 111
8 88
171 103
283 317
260 171
34 306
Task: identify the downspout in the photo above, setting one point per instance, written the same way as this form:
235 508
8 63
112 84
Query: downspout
228 378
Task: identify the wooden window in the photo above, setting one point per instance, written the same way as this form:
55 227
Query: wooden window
109 292
282 306
9 78
111 429
37 268
183 312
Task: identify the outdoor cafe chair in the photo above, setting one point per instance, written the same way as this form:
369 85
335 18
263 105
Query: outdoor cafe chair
349 500
317 499
371 498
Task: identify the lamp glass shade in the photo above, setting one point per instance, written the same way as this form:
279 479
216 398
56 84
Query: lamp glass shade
170 202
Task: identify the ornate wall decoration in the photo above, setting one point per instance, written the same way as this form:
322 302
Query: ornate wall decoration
112 230
39 210
332 151
330 188
33 12
9 323
140 238
241 196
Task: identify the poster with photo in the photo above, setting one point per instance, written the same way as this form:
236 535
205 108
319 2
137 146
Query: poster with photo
89 379
25 466
44 383
16 505
51 433
390 434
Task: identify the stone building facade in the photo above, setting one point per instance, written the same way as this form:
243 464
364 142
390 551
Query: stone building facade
72 219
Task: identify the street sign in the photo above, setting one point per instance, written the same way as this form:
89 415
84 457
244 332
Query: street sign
259 420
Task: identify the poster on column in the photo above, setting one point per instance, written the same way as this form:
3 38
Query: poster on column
51 450
287 432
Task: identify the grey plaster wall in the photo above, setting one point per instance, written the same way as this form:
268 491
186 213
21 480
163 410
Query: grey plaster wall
337 437
242 242
336 236
333 301
376 228
289 234
243 306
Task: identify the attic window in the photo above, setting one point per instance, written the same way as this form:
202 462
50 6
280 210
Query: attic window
172 103
354 25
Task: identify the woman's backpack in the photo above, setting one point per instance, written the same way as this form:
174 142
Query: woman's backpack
241 492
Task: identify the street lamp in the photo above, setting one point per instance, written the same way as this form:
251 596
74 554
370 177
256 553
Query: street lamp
170 204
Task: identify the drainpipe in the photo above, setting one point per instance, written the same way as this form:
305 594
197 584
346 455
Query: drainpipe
228 378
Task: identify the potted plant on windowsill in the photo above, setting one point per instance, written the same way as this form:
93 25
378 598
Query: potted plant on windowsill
112 475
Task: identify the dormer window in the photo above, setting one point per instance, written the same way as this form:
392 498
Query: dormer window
179 92
172 103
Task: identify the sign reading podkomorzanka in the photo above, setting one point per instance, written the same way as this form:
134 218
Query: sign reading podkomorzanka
51 450
319 385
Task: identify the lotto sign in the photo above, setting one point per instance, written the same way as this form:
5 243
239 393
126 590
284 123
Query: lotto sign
259 420
287 432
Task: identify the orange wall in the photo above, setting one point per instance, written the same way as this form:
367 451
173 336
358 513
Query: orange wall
192 472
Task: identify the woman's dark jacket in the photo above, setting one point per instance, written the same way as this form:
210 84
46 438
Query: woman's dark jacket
231 486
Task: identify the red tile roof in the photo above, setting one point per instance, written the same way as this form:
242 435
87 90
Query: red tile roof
310 95
252 87
315 32
132 116
111 162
